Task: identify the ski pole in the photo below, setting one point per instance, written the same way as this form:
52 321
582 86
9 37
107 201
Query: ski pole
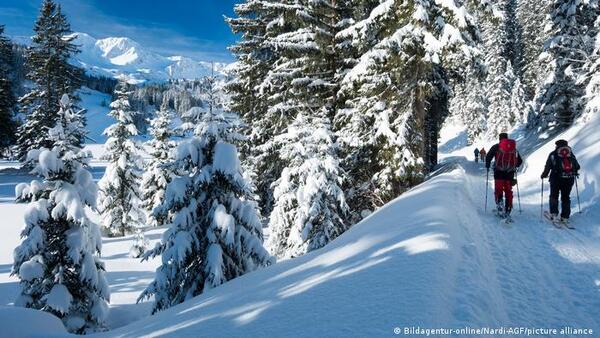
577 189
542 201
487 182
518 194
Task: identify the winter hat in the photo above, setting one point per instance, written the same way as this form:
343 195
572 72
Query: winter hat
503 136
562 143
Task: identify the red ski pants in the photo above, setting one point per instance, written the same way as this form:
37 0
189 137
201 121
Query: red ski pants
504 188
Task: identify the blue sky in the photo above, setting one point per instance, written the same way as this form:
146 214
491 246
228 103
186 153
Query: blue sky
192 28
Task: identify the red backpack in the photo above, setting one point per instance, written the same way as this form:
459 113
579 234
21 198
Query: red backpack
506 156
565 165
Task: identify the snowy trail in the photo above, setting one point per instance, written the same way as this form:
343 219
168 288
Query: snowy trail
530 272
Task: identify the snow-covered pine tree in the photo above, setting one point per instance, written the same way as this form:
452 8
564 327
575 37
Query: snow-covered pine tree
502 49
310 208
157 174
119 197
592 92
513 49
302 75
8 124
474 109
58 260
520 108
394 94
533 20
499 90
215 232
558 101
254 59
140 244
52 74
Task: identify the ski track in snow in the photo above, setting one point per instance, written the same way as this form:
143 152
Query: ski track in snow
532 277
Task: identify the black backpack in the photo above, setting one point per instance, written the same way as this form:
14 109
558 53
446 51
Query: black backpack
564 162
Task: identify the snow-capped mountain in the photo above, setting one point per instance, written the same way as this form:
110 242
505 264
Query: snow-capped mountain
121 57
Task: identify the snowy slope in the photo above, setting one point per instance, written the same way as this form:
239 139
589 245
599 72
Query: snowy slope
415 262
97 107
121 57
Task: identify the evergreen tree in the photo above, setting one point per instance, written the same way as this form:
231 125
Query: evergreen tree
558 100
475 110
254 60
58 260
299 42
592 80
499 90
52 75
396 96
215 232
310 207
513 49
519 106
157 175
140 244
119 198
533 19
7 98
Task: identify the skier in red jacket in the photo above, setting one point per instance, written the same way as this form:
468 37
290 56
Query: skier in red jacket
506 161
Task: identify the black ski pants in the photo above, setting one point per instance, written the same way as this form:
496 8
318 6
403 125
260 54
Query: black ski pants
561 186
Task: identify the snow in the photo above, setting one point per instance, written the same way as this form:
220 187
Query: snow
31 270
422 264
96 105
59 299
26 323
226 159
124 58
415 262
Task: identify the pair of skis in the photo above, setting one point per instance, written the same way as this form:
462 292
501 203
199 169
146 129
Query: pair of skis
557 222
506 218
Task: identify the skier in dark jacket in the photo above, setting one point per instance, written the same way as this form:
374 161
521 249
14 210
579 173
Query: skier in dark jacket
477 155
563 168
506 161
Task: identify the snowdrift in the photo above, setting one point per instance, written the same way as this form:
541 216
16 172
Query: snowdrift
27 323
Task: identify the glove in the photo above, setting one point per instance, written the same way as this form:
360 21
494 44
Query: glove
544 176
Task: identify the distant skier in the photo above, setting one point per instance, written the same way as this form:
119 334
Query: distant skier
506 161
482 154
476 152
563 169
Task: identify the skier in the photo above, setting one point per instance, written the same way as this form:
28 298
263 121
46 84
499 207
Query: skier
563 169
506 161
482 154
477 155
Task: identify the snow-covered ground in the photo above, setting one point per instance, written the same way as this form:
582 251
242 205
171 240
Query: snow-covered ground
432 258
97 108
